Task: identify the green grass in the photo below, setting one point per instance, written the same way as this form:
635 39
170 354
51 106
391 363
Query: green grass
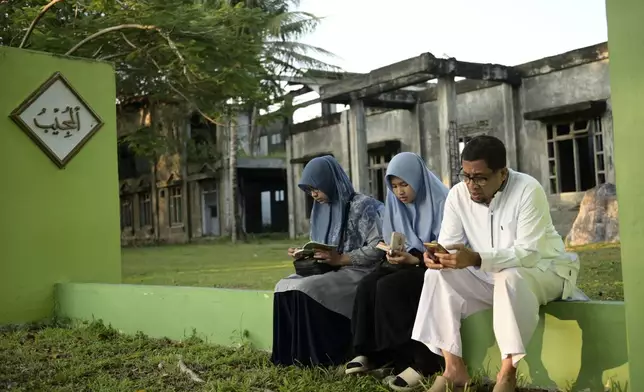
261 263
97 358
256 265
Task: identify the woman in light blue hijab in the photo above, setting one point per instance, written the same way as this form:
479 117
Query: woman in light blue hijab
312 314
386 302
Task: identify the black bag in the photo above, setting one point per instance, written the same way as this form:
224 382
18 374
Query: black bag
308 266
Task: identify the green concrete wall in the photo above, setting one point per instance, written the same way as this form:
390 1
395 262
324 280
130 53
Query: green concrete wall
579 345
57 225
626 44
218 315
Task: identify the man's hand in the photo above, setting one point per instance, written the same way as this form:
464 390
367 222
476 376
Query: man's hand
400 257
431 261
462 258
332 258
291 252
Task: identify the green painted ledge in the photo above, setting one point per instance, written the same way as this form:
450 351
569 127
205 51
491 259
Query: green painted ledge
580 345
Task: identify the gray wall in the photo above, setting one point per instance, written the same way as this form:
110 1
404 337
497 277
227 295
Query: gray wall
500 107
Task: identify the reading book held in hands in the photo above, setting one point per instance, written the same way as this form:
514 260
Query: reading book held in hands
309 249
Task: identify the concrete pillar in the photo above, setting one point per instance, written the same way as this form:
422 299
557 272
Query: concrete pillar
509 125
446 91
328 109
290 188
358 147
625 29
420 138
345 156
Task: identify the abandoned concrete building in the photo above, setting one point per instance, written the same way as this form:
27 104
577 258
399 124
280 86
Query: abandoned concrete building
554 115
179 198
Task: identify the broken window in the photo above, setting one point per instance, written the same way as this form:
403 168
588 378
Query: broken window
127 215
575 156
145 209
176 212
462 141
379 159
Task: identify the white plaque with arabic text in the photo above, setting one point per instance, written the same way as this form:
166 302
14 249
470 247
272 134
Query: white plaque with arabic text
57 118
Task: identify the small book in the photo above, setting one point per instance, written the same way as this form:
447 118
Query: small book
309 249
396 243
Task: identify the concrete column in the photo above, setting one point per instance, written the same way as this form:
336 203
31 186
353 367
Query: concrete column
328 109
358 147
345 157
446 92
509 126
421 133
625 29
290 188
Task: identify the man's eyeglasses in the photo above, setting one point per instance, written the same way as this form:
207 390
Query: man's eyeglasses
476 180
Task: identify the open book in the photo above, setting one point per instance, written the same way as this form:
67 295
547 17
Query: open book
396 243
308 250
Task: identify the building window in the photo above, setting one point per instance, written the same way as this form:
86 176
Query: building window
276 138
176 217
145 209
279 195
462 141
379 159
575 156
126 212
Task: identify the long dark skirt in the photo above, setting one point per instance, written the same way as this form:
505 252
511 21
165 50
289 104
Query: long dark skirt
306 333
384 312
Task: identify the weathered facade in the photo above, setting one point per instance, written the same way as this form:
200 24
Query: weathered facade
553 114
175 197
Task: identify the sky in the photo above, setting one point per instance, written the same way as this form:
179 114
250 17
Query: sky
368 34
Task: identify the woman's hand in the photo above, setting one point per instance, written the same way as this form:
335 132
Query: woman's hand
332 258
400 257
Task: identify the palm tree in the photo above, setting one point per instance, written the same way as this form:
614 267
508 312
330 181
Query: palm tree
283 55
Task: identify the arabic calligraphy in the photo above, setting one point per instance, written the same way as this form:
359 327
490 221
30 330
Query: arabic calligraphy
71 124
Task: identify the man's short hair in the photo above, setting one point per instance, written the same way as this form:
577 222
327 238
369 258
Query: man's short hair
486 148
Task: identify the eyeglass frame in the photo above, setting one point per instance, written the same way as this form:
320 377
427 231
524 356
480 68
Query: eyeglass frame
477 180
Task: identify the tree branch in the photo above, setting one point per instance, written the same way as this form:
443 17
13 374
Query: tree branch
109 30
172 87
35 21
165 36
112 56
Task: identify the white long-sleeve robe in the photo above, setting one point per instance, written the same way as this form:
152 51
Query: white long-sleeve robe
523 266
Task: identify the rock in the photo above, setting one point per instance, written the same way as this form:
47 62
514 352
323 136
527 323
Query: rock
597 220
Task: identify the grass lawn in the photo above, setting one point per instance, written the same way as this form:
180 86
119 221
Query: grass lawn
95 358
261 263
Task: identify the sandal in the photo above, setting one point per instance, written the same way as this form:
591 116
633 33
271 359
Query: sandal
359 364
442 384
406 380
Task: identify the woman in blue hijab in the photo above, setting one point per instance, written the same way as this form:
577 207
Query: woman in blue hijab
312 315
387 300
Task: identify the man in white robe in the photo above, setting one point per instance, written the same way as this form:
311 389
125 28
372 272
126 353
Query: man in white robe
504 253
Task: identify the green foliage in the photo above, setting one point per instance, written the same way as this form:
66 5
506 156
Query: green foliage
219 56
210 51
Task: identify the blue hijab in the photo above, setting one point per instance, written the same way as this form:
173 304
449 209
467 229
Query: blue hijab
419 221
326 174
